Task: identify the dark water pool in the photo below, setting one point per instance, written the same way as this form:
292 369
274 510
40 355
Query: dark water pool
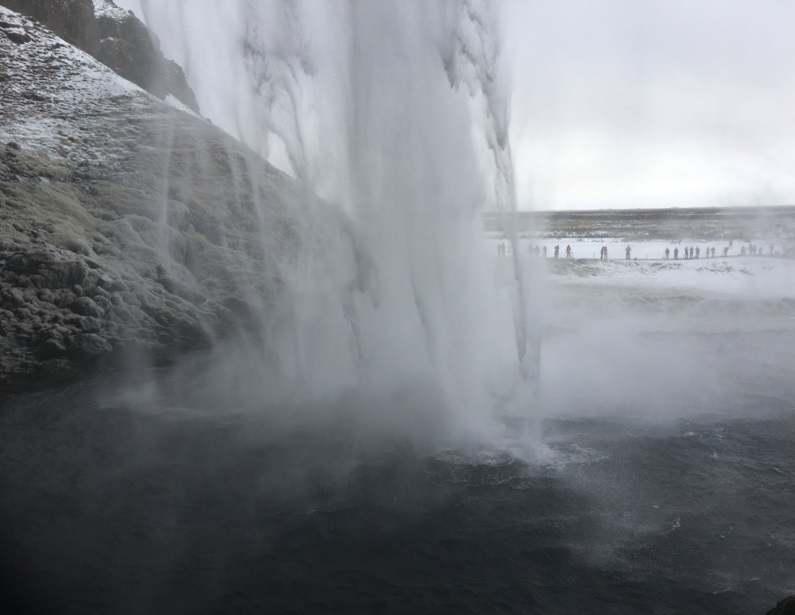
110 509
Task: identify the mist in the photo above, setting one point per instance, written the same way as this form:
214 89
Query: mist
311 88
395 115
417 407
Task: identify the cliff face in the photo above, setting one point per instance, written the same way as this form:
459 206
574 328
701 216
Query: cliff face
72 20
126 46
116 38
127 224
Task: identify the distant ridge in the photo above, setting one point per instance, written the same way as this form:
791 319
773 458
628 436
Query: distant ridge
654 211
660 223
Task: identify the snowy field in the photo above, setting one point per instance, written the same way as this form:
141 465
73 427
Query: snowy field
769 275
652 336
640 250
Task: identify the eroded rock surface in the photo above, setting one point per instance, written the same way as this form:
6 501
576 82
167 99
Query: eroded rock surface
127 224
72 20
114 36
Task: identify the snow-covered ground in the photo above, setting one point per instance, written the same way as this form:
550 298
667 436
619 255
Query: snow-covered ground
49 84
736 275
641 250
654 337
742 277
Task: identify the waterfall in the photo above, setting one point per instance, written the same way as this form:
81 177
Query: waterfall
396 113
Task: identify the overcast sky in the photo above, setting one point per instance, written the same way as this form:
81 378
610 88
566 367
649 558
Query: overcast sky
642 103
622 103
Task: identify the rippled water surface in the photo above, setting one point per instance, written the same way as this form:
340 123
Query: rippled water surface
115 508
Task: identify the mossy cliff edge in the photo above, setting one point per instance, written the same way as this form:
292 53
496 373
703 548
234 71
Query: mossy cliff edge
128 225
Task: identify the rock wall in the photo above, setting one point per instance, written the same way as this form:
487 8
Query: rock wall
127 47
129 227
116 38
72 20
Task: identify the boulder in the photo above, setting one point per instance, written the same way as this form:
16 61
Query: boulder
87 346
784 607
51 348
85 306
15 35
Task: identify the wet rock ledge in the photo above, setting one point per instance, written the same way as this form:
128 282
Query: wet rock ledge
128 227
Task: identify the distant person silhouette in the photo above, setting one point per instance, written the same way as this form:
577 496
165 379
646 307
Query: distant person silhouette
698 251
676 254
667 253
568 251
726 250
545 251
713 251
557 251
628 251
537 250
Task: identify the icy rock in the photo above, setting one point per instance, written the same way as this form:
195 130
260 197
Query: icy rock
127 259
13 297
88 345
73 20
85 306
51 349
17 35
784 607
106 282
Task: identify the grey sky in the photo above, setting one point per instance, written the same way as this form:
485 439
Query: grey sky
622 103
640 103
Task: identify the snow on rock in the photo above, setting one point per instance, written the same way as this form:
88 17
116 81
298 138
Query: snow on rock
129 48
178 104
106 8
48 84
72 20
127 224
115 37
